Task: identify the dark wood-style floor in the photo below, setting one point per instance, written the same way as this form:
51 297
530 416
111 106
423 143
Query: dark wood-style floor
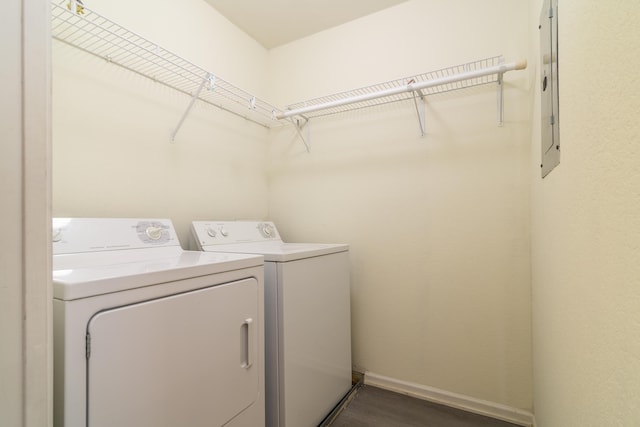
375 407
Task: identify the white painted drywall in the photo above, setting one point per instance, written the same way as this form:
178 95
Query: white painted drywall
438 226
586 224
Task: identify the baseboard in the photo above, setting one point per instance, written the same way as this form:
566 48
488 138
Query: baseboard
455 400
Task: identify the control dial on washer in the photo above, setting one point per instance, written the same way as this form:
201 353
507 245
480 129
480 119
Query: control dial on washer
211 231
224 231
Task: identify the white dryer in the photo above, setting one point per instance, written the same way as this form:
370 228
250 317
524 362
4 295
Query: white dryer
149 335
307 317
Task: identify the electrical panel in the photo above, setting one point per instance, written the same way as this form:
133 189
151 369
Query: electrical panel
550 137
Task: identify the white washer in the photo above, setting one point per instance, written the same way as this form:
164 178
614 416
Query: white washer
307 318
148 335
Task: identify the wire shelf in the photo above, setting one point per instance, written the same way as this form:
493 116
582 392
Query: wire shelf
99 36
325 107
94 34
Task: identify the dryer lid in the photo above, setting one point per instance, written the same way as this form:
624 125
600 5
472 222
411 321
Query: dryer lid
86 279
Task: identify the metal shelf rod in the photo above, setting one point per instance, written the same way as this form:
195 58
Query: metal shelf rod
412 87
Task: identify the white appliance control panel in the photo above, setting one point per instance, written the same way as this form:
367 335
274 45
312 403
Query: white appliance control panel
226 232
79 235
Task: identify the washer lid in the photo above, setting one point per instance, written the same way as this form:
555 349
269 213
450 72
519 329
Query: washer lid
255 237
85 275
278 251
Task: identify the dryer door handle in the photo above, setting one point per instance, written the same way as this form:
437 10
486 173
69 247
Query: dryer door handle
247 332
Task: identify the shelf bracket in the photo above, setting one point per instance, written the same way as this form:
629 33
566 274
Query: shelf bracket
209 78
420 107
303 131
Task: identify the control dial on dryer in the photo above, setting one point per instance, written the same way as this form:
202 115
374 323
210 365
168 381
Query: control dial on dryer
154 232
211 231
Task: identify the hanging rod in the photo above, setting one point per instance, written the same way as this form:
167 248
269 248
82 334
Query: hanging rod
498 70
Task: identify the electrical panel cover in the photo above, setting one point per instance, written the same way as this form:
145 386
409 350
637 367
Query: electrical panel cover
550 137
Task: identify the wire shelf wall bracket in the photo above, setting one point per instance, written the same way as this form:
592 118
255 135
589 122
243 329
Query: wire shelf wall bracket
76 25
189 107
420 108
416 88
303 129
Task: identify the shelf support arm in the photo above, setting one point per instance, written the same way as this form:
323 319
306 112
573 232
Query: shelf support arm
420 107
303 131
190 106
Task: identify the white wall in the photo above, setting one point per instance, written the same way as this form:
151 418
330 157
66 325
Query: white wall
586 227
438 226
111 128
